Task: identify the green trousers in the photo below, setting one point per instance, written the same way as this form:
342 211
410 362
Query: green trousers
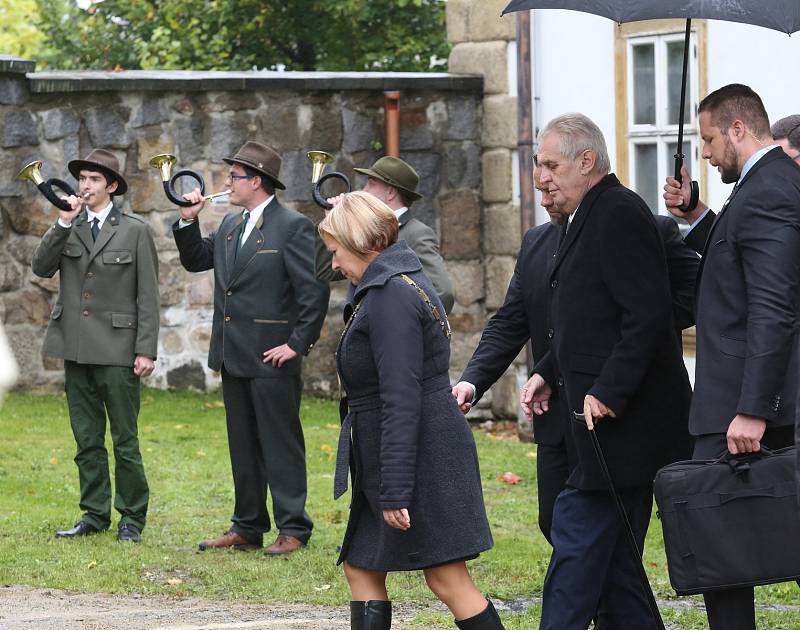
93 390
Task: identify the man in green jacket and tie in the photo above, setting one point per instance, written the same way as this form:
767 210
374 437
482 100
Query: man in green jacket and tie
104 325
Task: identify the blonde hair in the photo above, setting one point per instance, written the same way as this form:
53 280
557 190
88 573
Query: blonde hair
361 223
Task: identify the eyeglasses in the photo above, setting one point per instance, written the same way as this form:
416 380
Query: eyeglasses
232 178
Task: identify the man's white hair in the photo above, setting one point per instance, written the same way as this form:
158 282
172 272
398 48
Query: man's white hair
577 133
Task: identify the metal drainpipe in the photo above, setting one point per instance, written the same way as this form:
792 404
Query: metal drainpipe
391 118
525 158
525 122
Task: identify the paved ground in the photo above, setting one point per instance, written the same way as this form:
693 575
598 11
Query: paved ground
25 608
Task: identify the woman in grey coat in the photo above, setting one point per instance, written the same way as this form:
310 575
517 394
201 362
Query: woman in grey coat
417 502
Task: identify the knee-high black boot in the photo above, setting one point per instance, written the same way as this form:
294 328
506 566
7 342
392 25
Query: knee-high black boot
486 620
372 615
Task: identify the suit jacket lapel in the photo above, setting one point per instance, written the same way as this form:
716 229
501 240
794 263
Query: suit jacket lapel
84 231
405 217
249 247
583 211
107 232
247 253
230 236
774 154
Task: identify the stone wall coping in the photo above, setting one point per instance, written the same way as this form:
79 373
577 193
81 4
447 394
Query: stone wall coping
59 81
16 65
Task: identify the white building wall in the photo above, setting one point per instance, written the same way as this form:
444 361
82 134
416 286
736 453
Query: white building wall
767 61
573 68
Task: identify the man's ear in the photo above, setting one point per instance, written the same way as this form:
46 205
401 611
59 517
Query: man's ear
737 130
392 193
588 161
112 187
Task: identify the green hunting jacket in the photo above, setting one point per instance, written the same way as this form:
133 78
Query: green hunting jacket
107 311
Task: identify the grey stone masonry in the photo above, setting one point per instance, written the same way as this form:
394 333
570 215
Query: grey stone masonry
13 85
202 117
483 44
197 81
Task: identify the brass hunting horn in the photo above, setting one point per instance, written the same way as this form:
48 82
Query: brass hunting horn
33 172
164 163
319 160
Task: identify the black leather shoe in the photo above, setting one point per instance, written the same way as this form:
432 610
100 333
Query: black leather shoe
81 528
129 532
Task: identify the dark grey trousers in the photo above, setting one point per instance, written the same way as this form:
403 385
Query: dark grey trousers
267 451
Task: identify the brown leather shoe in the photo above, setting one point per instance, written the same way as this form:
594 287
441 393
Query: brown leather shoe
284 544
230 539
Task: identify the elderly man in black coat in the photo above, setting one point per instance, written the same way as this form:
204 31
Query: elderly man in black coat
614 356
523 317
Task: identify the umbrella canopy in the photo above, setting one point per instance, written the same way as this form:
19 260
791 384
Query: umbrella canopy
778 15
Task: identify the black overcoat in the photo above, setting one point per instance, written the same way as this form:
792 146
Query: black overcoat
522 316
613 336
411 445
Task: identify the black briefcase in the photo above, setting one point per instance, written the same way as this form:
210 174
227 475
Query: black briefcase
730 522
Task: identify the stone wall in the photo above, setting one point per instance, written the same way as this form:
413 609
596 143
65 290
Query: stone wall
202 117
484 45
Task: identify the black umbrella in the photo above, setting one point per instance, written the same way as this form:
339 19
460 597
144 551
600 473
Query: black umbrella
779 15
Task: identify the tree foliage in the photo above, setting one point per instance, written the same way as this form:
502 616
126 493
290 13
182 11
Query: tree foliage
18 33
398 35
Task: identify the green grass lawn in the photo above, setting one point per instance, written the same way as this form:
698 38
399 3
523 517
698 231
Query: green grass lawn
186 458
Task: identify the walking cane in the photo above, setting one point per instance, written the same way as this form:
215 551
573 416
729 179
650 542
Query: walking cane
623 516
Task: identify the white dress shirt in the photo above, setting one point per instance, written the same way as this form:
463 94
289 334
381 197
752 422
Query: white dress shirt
91 216
255 215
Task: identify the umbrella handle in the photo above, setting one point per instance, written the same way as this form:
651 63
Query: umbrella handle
694 195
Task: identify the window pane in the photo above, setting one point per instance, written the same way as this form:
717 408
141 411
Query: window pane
688 156
646 157
674 74
672 149
644 84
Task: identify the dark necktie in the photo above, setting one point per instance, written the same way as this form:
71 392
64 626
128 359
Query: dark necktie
245 219
95 228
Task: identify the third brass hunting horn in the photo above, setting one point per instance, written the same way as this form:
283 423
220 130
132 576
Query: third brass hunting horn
164 163
33 172
319 160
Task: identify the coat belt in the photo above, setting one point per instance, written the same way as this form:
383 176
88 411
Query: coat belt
368 403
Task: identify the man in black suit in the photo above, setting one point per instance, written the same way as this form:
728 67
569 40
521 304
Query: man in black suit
785 132
747 300
268 311
520 318
523 317
614 356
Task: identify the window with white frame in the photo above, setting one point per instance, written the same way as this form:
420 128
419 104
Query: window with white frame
655 66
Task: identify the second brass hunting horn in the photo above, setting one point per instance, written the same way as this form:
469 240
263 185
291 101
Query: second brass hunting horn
319 160
33 172
164 163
